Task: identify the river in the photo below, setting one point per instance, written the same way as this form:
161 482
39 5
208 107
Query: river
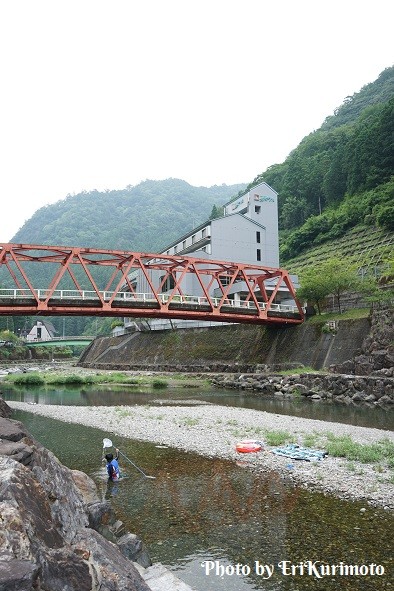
200 513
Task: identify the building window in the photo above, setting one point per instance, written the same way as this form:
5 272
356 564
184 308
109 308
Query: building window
184 244
168 284
258 254
258 237
193 238
203 233
257 208
225 280
175 249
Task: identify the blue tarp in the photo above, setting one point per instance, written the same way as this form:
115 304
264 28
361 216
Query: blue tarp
295 452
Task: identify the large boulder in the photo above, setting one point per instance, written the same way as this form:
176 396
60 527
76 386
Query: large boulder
48 513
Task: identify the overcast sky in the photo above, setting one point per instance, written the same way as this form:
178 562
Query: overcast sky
101 95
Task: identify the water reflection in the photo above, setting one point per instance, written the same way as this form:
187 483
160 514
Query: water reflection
362 416
200 509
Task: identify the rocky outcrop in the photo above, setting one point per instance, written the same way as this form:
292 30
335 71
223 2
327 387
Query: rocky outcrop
376 356
51 525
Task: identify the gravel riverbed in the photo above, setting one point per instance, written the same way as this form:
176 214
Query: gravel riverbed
213 431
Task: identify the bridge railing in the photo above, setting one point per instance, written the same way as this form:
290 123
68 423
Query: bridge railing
90 295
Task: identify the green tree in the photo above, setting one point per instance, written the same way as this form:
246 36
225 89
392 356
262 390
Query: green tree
294 212
314 288
385 217
340 277
216 212
333 277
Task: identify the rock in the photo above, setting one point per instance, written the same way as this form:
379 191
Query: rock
359 396
11 430
299 389
86 486
101 518
18 575
17 451
5 410
132 548
114 571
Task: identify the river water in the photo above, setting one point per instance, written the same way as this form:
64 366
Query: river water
202 517
360 415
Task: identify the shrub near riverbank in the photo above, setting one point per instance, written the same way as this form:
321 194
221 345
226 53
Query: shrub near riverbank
38 378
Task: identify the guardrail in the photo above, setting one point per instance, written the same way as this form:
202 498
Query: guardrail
162 298
65 338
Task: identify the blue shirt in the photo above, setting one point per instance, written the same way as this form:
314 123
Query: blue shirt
113 470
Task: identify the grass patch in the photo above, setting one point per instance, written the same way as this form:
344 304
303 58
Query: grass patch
68 380
352 314
311 440
29 379
352 467
190 422
372 453
59 379
123 412
278 437
131 383
74 380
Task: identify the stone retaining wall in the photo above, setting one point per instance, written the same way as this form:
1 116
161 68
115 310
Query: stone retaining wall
204 368
375 390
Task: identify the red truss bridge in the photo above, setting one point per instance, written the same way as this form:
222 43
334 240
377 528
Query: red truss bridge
60 280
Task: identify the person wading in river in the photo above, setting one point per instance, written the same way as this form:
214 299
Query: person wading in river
113 466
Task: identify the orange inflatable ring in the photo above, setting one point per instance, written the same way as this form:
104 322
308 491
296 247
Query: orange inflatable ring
245 447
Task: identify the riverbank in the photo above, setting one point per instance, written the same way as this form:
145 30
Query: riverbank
213 431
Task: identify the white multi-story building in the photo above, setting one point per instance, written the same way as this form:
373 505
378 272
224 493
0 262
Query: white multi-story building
246 233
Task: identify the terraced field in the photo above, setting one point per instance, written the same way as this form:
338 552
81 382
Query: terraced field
367 247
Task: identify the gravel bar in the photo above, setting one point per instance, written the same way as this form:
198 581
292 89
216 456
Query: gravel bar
213 431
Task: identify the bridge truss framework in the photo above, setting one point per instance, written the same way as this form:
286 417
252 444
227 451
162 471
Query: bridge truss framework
98 282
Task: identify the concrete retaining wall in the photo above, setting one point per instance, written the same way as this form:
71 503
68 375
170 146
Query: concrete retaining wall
230 346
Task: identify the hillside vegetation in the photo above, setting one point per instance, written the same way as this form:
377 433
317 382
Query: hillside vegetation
361 247
144 218
340 177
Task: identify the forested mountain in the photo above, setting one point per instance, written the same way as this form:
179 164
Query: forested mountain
341 175
144 218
